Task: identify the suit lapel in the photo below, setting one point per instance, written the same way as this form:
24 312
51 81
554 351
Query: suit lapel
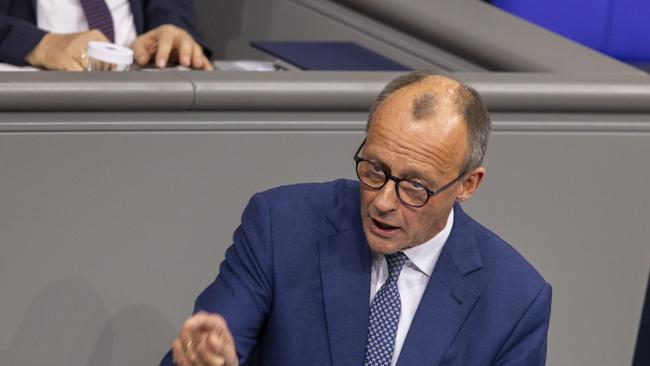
447 300
33 10
138 15
345 275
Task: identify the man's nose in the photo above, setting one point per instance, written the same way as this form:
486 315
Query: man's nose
387 199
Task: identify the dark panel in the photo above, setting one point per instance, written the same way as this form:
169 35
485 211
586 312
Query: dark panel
642 354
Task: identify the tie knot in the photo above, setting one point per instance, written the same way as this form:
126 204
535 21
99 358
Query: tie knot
395 263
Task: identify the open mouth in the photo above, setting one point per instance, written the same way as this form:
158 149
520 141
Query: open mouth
384 226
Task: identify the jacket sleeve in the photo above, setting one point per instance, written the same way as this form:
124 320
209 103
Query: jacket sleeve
526 345
17 39
242 292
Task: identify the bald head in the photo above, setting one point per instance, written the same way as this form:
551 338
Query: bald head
422 106
430 95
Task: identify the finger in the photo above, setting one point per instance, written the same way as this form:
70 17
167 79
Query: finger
79 45
192 356
178 353
211 338
214 323
213 360
72 64
205 353
197 56
165 44
140 48
224 345
190 351
81 50
73 51
207 65
83 60
205 321
193 323
76 62
185 52
191 331
202 322
217 342
186 340
97 35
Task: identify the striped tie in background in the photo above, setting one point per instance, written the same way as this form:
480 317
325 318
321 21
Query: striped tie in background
99 17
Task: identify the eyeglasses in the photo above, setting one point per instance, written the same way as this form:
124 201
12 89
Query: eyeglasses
412 193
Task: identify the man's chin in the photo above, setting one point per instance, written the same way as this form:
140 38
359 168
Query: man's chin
383 246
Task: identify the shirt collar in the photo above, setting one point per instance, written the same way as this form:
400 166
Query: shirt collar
425 256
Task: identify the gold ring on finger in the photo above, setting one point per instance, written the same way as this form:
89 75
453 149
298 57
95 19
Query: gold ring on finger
188 344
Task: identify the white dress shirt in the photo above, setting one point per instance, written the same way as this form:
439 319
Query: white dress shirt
67 16
412 280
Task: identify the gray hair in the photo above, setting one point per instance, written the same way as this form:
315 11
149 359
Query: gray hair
467 102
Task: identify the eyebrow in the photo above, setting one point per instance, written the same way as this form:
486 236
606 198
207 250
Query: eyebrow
408 173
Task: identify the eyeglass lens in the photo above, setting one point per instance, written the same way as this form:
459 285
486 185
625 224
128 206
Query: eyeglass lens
375 176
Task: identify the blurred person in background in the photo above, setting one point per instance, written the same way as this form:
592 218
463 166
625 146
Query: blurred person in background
54 34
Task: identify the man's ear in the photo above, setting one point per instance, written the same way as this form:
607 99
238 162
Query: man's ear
470 184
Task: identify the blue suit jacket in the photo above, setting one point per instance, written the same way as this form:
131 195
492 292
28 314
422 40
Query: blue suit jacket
295 287
19 34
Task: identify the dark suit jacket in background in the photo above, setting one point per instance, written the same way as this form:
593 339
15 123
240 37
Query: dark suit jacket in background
19 34
295 287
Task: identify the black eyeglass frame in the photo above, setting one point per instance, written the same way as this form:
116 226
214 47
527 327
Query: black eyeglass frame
397 180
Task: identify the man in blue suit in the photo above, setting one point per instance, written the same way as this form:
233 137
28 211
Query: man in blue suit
385 271
164 28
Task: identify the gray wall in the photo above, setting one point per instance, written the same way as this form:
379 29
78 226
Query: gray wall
107 237
574 204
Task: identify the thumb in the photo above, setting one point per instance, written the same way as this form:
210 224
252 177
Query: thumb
223 345
96 35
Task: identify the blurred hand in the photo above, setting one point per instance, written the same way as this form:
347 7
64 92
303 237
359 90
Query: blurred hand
64 51
204 340
166 43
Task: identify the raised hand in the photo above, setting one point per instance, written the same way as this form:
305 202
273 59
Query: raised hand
204 340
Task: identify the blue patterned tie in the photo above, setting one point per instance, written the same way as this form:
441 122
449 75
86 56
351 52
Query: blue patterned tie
99 17
384 315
